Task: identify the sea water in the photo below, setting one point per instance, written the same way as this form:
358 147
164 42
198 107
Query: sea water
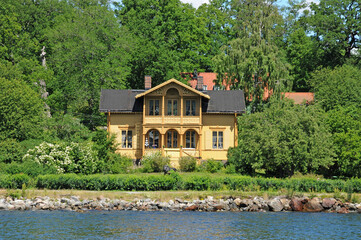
177 225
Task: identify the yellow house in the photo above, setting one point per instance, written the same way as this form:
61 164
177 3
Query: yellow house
173 118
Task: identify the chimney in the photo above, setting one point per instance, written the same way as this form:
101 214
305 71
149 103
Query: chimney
147 82
200 83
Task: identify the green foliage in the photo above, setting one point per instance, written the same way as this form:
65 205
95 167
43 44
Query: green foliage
154 162
345 125
118 164
10 150
211 166
197 182
66 158
281 140
329 91
66 128
21 111
187 164
253 61
29 168
334 25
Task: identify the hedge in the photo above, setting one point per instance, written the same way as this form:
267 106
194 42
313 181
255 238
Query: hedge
197 182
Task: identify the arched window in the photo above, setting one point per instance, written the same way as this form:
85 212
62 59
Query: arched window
152 139
190 139
172 139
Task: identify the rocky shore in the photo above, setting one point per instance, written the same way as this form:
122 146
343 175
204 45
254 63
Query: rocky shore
256 204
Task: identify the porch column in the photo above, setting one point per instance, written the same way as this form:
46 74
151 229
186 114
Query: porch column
181 110
143 144
162 143
200 145
181 145
235 130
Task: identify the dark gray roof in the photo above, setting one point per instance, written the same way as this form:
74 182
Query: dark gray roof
231 101
120 101
224 101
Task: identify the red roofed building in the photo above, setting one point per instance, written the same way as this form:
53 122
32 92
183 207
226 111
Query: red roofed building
209 79
300 97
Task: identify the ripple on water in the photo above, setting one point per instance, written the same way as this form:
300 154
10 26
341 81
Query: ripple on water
177 225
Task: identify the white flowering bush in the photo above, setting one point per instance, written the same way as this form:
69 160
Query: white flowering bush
66 158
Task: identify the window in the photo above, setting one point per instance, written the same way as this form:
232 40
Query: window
153 107
190 107
190 139
217 140
204 88
172 139
152 140
127 137
172 107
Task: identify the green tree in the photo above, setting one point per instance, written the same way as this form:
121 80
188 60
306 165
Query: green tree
281 140
88 52
338 87
345 125
253 61
168 39
21 111
336 26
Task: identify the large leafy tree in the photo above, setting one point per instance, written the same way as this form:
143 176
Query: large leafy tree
345 125
21 111
281 140
88 51
337 87
253 61
169 39
336 26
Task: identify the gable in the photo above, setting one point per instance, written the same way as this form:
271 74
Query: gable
183 90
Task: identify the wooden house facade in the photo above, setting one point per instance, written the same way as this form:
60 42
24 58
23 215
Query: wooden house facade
173 118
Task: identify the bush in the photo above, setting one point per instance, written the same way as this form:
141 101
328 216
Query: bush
11 150
211 166
66 158
154 162
187 164
29 168
15 181
118 164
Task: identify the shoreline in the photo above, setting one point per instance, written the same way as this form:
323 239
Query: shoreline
209 204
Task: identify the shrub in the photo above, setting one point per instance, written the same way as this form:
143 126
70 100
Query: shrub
211 166
154 162
15 181
187 164
118 164
66 158
30 168
10 150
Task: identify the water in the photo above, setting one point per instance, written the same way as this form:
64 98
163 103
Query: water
177 225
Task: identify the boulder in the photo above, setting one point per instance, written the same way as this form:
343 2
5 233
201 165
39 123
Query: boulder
313 206
237 201
275 205
328 203
296 204
286 204
342 210
191 208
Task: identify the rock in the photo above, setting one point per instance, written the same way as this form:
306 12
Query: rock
191 208
245 203
3 206
313 206
210 198
75 198
286 204
237 201
171 202
328 203
275 205
254 208
296 204
342 210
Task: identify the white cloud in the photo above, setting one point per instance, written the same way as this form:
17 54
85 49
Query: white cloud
195 3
